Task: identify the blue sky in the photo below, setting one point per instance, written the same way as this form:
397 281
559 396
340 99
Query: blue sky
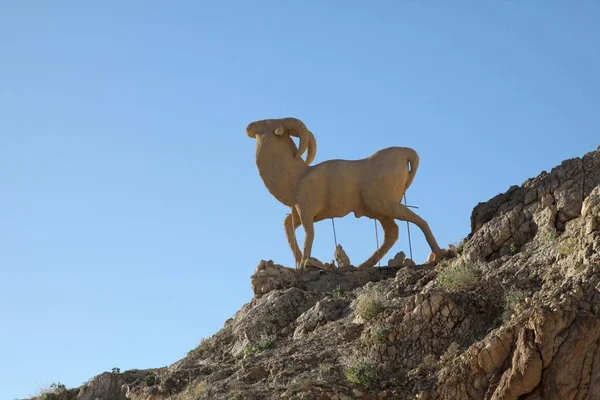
131 210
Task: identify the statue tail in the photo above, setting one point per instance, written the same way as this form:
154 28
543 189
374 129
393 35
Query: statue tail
412 159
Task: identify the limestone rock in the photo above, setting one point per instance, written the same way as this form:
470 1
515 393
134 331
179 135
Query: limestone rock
268 315
326 310
591 225
341 257
591 204
330 266
408 262
269 276
519 216
398 260
313 263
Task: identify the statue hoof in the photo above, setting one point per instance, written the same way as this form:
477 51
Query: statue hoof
435 258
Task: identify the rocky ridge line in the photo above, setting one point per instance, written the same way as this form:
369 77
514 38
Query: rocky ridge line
514 315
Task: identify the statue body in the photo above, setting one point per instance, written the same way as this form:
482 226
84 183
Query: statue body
371 187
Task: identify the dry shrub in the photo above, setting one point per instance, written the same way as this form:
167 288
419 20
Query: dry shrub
368 305
515 299
363 373
451 352
193 391
459 275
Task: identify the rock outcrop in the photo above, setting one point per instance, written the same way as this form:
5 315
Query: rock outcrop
514 315
540 208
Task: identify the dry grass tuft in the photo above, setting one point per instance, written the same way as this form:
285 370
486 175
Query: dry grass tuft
459 275
369 305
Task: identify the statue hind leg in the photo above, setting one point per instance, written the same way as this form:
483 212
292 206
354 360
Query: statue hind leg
390 230
403 213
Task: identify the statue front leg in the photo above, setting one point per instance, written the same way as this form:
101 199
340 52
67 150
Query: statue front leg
306 219
291 223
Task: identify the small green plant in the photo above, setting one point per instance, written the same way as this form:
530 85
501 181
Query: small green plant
338 292
52 392
461 246
373 308
150 379
258 347
567 249
250 350
514 300
363 374
368 305
513 249
382 333
553 236
459 275
116 370
265 344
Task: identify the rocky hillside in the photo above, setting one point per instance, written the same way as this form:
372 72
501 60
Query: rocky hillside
514 313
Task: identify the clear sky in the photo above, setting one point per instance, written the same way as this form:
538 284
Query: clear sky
131 210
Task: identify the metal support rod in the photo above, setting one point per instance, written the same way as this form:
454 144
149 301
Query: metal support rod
377 240
408 229
334 235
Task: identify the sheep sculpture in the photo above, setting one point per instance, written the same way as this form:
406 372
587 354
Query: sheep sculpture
371 187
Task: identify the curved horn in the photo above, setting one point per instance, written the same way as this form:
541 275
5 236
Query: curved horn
307 139
312 148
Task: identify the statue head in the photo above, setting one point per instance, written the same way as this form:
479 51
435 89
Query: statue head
277 129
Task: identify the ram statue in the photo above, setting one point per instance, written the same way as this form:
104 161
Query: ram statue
371 187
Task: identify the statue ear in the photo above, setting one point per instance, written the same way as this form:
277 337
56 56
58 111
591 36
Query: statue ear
279 131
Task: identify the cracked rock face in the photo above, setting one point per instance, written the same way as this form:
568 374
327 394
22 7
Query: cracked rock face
326 310
550 351
110 386
536 209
